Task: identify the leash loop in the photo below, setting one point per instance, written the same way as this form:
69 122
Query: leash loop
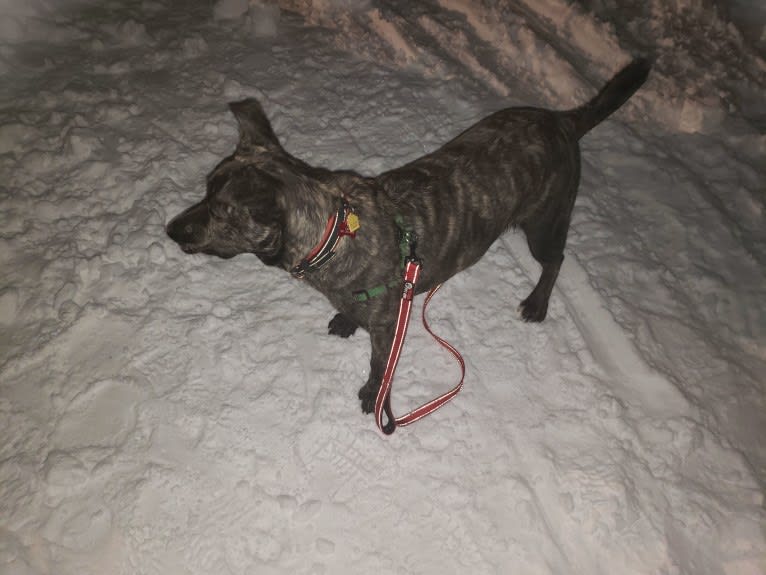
383 399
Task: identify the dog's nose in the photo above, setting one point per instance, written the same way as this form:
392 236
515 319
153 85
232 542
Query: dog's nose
180 231
190 226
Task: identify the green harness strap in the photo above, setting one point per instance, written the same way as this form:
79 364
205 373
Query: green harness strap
406 240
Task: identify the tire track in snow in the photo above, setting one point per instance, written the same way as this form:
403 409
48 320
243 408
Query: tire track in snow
529 47
430 30
628 372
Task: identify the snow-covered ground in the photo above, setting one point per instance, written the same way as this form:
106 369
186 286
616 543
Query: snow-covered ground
171 414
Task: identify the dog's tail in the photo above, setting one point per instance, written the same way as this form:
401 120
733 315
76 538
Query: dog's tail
611 97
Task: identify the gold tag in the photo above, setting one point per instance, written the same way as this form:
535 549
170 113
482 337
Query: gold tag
352 221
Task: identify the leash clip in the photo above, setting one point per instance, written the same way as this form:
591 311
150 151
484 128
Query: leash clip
412 241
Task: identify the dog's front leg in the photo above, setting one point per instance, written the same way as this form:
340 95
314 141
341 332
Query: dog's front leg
381 337
342 325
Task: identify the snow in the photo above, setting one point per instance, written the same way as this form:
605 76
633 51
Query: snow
175 414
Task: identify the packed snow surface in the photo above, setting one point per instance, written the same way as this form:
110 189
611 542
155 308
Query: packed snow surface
170 414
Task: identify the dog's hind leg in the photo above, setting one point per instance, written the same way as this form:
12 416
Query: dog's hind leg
342 326
535 306
546 240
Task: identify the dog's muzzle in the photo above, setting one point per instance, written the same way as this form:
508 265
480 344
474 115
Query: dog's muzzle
189 228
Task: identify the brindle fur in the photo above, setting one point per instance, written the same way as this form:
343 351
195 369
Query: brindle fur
517 167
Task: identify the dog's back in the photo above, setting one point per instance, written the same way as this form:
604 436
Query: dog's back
516 166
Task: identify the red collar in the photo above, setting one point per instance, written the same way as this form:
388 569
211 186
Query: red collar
343 222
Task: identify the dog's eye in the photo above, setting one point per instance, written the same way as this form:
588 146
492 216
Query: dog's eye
221 210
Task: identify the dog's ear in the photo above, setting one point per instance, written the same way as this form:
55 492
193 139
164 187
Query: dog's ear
254 127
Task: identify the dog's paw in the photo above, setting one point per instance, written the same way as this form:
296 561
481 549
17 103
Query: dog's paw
368 394
532 310
341 326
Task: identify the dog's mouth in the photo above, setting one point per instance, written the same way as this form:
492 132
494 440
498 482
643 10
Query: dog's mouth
195 249
189 249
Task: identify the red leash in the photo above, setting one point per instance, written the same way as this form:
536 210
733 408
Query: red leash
383 400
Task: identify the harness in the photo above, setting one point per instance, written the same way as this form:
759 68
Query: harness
344 222
407 242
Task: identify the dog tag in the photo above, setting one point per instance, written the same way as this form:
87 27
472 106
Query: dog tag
352 221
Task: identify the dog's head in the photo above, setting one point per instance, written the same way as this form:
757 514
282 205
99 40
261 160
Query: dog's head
240 212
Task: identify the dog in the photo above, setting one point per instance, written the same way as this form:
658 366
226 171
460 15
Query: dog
342 232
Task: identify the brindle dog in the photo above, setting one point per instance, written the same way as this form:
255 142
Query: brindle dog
517 167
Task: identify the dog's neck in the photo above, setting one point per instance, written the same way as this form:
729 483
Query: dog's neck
342 223
306 215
